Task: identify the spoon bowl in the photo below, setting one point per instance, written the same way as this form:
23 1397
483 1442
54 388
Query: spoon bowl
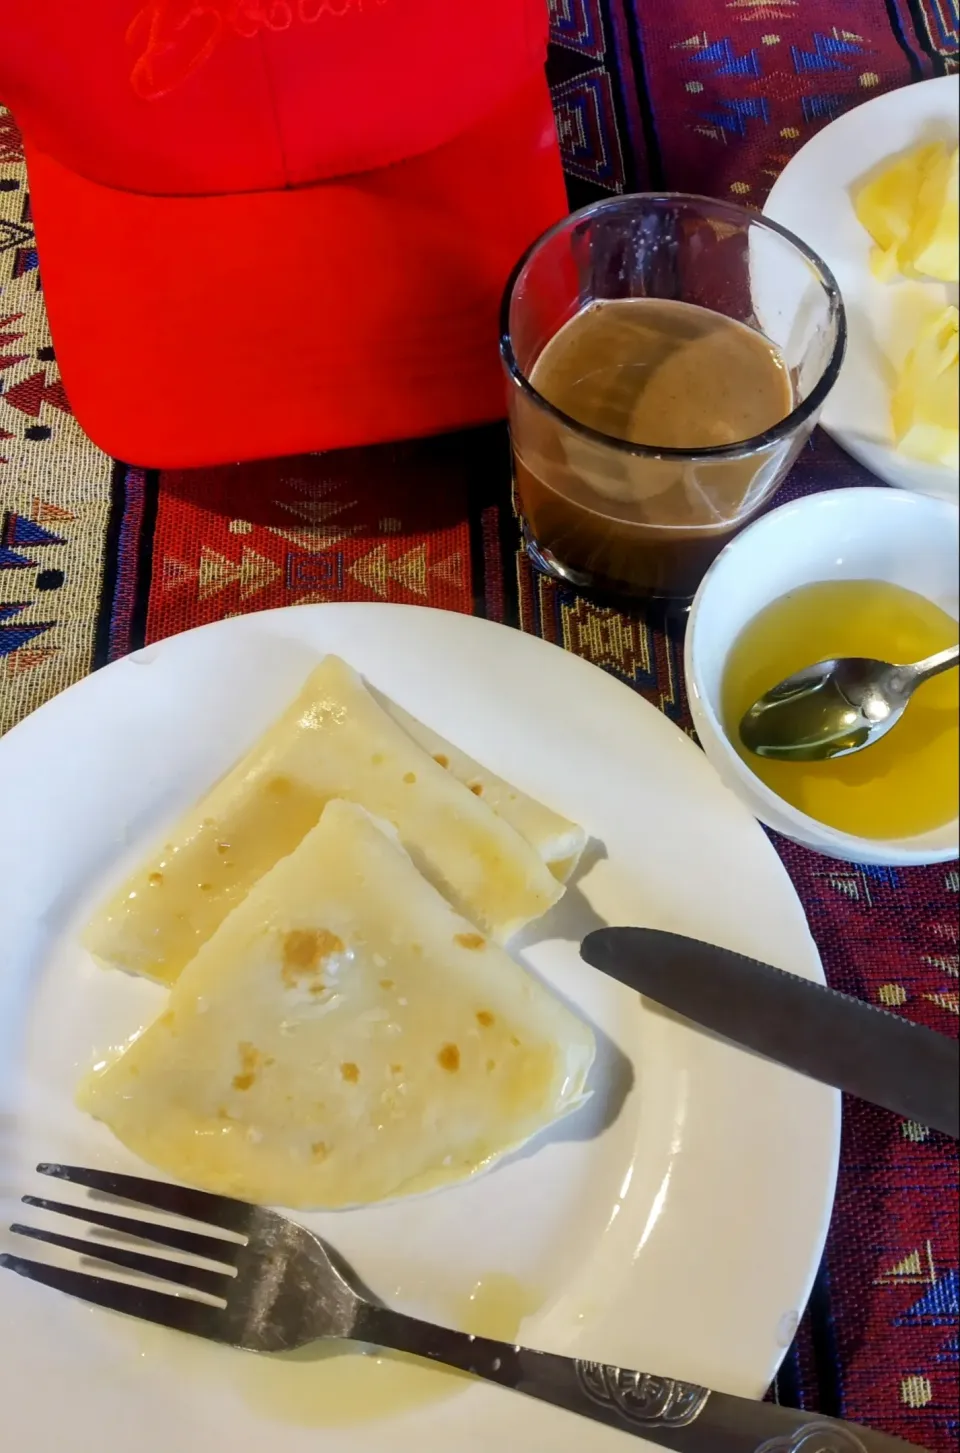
836 707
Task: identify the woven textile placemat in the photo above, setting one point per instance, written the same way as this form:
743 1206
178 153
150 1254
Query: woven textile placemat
98 556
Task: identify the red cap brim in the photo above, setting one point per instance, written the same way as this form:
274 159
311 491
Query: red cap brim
199 330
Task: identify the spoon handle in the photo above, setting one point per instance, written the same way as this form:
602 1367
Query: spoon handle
915 676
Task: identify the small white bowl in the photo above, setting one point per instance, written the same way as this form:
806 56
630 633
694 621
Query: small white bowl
846 534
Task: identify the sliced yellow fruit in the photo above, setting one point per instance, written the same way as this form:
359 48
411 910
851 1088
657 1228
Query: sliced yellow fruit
933 247
885 206
926 400
910 210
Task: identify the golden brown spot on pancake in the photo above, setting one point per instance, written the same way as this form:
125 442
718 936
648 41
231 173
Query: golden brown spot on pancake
279 787
514 1041
318 1150
350 1072
250 1062
409 778
304 952
485 1018
416 948
386 983
441 760
223 849
396 1069
491 1066
155 879
476 788
376 759
205 887
470 940
166 1019
317 989
449 1058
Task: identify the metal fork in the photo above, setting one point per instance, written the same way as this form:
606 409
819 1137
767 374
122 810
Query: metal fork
271 1286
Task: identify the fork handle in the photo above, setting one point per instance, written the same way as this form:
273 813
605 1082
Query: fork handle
677 1415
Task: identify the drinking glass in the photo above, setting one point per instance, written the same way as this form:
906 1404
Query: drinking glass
604 513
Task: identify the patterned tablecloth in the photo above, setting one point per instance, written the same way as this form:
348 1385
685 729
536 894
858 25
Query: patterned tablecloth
98 556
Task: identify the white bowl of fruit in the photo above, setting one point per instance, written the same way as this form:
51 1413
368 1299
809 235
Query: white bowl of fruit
876 196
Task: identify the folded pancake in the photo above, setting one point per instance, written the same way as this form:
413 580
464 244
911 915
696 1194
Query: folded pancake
334 741
344 1037
559 843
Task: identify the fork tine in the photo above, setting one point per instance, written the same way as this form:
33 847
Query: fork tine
222 1211
214 1283
176 1237
181 1313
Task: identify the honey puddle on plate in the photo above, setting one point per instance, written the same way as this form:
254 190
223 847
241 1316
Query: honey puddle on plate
906 783
340 1384
337 1384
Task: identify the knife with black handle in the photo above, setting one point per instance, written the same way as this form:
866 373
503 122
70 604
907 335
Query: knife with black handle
825 1035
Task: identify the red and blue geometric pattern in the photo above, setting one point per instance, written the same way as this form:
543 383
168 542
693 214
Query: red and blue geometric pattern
586 124
578 25
941 27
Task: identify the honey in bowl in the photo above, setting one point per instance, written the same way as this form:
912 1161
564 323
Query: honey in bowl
906 783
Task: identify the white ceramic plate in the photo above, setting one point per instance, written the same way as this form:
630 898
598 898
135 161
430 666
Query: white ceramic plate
813 198
674 1225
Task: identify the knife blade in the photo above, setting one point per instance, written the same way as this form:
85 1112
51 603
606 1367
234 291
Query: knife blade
819 1032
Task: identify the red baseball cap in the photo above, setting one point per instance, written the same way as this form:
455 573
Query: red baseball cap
273 226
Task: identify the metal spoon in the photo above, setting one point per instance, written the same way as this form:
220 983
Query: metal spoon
836 707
